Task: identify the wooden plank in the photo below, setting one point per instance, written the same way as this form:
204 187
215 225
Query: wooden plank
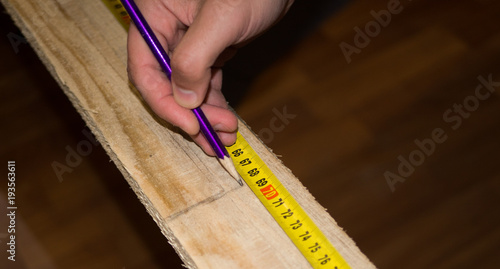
208 218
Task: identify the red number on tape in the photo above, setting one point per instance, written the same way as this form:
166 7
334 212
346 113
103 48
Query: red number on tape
269 192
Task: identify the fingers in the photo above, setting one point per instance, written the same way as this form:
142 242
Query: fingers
157 91
154 86
215 28
224 123
205 146
220 117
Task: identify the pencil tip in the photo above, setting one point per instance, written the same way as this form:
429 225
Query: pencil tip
227 163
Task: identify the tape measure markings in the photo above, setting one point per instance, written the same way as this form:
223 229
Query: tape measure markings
291 217
287 212
116 7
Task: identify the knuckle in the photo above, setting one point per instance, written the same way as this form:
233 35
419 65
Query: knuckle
185 65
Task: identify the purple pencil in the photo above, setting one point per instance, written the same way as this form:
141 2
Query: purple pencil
164 61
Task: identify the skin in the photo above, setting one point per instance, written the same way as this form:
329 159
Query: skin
199 36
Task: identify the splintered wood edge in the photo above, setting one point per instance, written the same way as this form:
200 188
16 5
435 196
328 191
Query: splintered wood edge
340 240
348 248
182 253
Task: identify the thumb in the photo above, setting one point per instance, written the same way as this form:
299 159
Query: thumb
211 32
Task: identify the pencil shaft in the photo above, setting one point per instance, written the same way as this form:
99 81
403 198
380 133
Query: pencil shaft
148 35
164 61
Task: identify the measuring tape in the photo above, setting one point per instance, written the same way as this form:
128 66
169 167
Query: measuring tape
116 7
299 227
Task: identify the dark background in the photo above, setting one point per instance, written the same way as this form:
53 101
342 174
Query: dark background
353 120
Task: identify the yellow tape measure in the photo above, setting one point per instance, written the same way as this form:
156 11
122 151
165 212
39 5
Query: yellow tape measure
299 227
116 7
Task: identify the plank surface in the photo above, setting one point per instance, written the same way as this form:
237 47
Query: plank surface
442 216
206 216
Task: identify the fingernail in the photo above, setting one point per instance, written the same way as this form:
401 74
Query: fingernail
185 98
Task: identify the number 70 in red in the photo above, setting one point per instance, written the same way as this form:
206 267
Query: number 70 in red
269 192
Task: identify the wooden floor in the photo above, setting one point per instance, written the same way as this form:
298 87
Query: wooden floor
348 127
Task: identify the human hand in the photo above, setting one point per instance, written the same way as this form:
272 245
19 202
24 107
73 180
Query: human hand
199 36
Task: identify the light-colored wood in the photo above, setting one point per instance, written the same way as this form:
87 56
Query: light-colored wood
208 218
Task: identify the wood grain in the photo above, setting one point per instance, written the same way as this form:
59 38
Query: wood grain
205 215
